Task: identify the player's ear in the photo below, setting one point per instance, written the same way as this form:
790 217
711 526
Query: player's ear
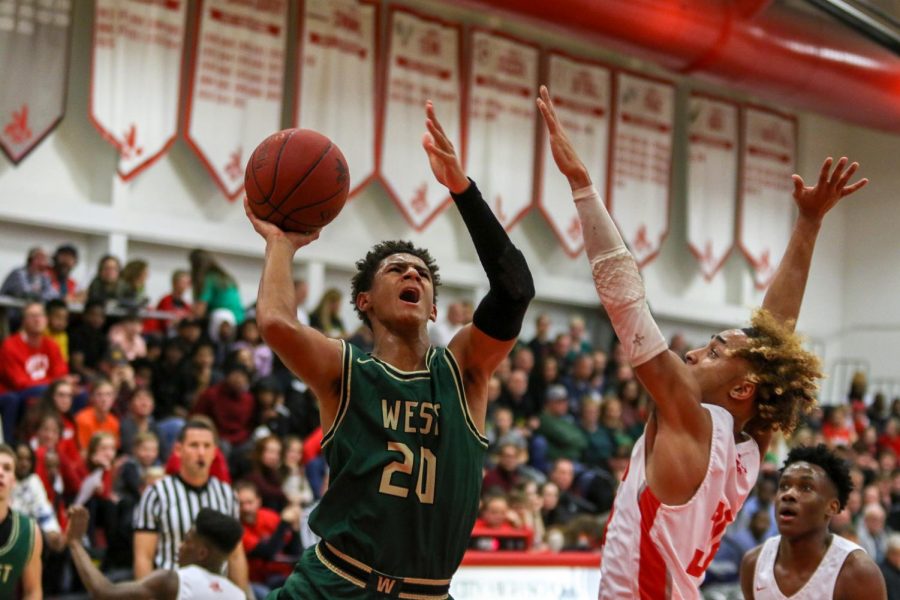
743 391
363 301
433 316
832 508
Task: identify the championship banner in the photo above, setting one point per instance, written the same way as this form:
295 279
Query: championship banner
641 162
237 85
582 94
136 78
336 94
502 122
423 64
712 180
767 207
34 48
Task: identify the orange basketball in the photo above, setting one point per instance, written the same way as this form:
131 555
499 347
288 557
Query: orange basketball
297 179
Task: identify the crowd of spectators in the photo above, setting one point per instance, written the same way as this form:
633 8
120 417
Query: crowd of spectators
95 395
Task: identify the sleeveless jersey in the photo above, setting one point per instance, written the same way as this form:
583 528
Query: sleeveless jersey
14 554
653 550
819 587
196 583
406 465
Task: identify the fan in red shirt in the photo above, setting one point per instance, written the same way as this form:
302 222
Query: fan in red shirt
173 303
230 405
267 534
498 528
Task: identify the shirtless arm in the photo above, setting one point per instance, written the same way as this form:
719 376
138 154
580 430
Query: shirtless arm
860 577
480 346
748 568
312 356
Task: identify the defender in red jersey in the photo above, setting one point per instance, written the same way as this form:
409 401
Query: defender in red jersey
715 411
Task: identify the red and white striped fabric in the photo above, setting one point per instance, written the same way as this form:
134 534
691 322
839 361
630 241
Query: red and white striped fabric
423 64
712 180
336 93
237 85
136 78
34 62
582 95
655 551
641 162
767 207
502 121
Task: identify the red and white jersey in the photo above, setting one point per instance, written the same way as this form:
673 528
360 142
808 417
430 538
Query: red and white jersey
818 587
653 550
196 583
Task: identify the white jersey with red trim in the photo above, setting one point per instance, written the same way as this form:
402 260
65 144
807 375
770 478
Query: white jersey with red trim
196 583
653 550
818 587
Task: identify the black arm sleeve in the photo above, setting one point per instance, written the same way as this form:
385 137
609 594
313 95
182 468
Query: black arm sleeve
502 310
272 545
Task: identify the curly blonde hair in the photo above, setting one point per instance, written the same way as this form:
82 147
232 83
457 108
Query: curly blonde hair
785 373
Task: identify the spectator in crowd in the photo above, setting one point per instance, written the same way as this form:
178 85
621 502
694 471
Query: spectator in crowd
837 430
174 302
441 332
221 332
498 527
550 510
570 504
581 381
890 568
542 377
273 417
64 260
96 417
579 337
30 282
87 340
134 275
56 400
600 445
301 295
169 508
107 286
872 532
562 436
526 501
507 474
541 344
267 533
267 473
326 317
126 336
57 325
230 405
214 287
723 577
170 391
57 462
562 346
135 471
515 396
30 498
138 420
295 484
763 499
248 338
504 430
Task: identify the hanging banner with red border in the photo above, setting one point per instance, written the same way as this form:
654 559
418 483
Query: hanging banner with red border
136 78
237 85
582 95
424 63
337 80
642 162
713 130
767 207
502 121
34 62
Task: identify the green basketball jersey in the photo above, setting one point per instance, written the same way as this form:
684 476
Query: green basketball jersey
14 554
405 460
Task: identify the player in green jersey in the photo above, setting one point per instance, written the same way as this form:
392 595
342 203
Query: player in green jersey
403 425
20 539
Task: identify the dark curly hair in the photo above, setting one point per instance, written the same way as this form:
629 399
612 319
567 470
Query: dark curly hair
836 468
366 267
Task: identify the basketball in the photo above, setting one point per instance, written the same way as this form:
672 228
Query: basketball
297 179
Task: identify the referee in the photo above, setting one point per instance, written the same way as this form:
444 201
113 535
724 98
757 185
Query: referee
168 508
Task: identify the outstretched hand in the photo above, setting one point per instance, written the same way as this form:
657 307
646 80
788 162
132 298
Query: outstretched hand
441 154
77 527
270 231
817 200
567 160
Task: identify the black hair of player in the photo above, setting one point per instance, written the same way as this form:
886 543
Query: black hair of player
220 530
366 268
837 469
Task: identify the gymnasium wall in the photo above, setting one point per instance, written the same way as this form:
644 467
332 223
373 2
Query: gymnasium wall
66 191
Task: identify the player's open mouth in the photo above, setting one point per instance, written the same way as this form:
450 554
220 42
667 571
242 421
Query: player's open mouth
410 295
787 514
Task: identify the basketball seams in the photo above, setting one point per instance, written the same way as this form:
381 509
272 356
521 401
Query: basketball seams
309 172
268 196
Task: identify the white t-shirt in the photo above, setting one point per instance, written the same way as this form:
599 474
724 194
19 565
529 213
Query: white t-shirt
653 548
819 587
196 583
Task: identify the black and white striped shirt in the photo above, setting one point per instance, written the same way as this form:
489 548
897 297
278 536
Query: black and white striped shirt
169 507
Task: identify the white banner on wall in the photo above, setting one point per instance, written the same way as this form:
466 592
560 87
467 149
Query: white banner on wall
136 78
581 93
641 162
423 64
502 120
712 180
337 79
236 86
34 62
525 583
767 206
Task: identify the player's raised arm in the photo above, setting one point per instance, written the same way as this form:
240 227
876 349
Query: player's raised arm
314 357
497 321
621 291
